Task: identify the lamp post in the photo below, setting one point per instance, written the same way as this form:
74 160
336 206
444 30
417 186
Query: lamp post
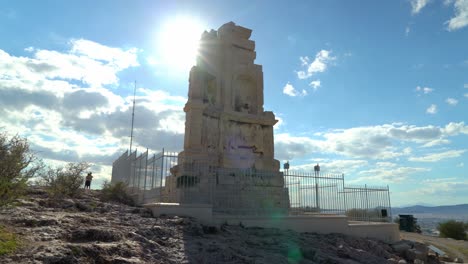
286 167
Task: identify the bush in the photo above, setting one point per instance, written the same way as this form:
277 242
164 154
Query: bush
8 241
17 165
453 229
116 192
64 181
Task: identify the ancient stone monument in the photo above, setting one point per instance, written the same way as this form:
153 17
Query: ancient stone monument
228 157
227 173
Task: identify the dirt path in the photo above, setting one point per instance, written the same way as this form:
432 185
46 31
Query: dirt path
453 248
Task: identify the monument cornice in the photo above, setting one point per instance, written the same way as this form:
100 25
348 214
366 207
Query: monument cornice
268 120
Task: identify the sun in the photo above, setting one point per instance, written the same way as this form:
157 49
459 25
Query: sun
178 41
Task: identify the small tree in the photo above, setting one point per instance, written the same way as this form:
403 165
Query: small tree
17 165
64 181
453 229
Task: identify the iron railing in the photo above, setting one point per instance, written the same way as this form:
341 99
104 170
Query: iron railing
248 191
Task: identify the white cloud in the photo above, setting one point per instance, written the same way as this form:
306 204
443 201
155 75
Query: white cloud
280 122
373 142
118 58
432 109
414 133
425 90
438 156
461 164
460 19
289 89
465 85
333 166
448 2
453 129
390 172
407 30
362 142
60 101
436 142
451 101
81 63
321 62
315 84
304 60
417 5
288 147
466 95
443 187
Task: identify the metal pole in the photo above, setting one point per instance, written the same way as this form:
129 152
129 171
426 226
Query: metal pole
152 171
389 204
146 175
133 117
367 204
345 207
162 167
316 192
134 170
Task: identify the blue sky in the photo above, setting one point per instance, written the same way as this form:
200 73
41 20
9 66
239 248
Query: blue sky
377 90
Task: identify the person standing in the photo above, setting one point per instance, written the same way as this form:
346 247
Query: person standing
89 178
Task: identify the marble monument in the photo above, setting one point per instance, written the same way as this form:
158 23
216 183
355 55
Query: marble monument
228 154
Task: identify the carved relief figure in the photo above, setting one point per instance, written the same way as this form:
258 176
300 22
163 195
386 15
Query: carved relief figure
210 134
210 91
245 95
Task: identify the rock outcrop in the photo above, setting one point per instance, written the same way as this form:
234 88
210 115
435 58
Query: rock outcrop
87 230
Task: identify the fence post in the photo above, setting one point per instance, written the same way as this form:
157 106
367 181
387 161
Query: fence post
134 171
389 205
146 175
367 204
345 207
162 166
152 171
317 204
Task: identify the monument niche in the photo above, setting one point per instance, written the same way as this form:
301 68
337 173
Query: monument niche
228 157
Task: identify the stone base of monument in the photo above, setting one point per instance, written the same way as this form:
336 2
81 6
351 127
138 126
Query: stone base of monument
314 223
202 212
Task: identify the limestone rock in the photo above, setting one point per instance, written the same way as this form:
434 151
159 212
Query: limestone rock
400 247
124 234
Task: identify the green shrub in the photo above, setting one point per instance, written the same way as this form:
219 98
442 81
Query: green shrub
453 229
116 192
8 241
17 165
64 181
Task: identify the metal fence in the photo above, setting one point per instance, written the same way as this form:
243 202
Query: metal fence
248 191
144 175
327 193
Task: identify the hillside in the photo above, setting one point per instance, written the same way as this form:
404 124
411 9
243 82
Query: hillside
87 230
454 248
452 210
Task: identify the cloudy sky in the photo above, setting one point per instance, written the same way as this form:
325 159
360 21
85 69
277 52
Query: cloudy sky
377 90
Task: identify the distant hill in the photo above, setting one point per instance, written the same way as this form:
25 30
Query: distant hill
459 210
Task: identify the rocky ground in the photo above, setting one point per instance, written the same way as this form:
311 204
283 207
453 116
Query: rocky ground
457 250
87 230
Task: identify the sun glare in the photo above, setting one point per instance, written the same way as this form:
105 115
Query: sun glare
178 42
